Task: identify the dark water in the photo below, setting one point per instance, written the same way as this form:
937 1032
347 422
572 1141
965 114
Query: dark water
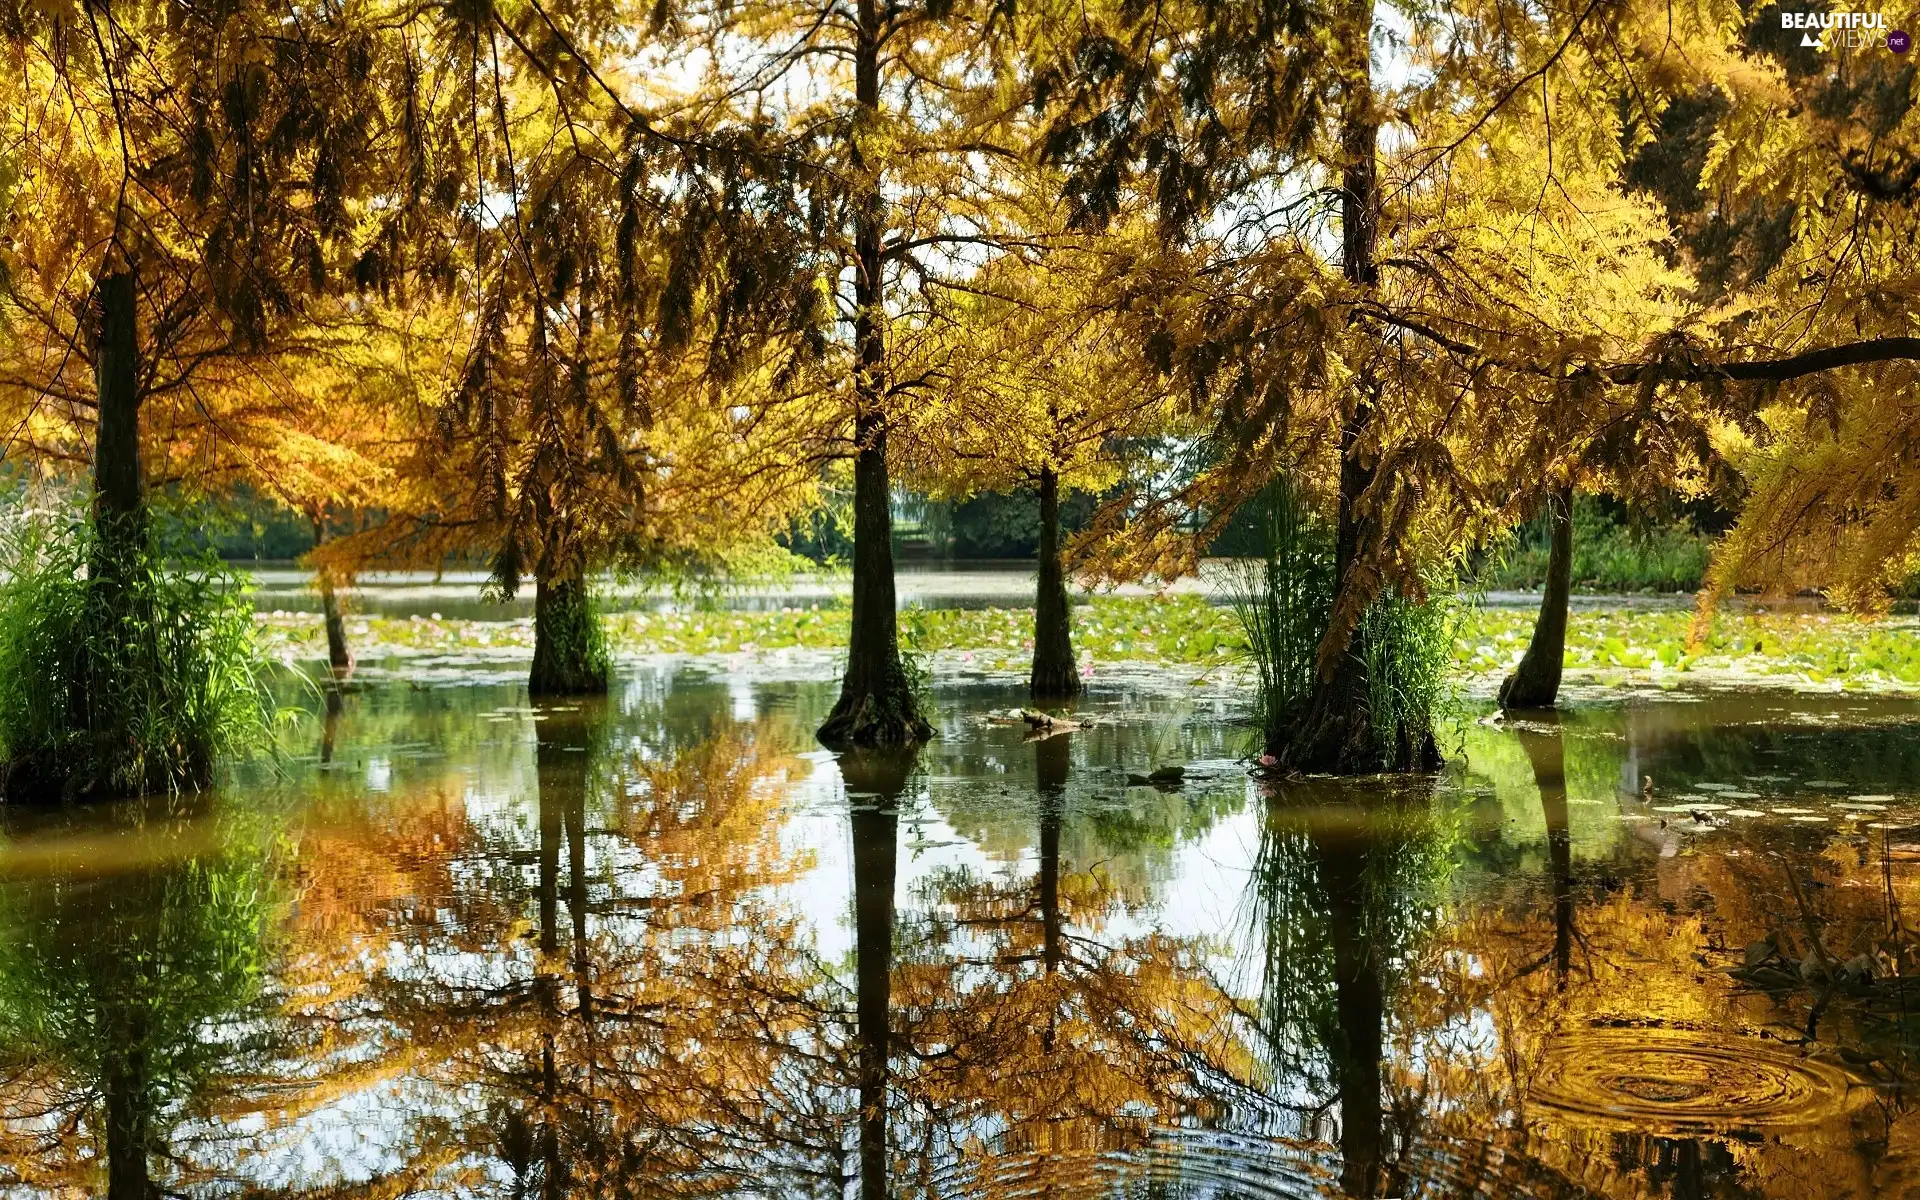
664 947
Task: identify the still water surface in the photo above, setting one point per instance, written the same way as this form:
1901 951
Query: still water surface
663 946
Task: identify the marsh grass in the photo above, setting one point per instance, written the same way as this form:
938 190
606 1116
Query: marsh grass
135 692
1282 600
1408 646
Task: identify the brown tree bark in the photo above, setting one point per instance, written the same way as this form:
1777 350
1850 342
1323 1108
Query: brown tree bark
1535 683
876 706
119 499
1055 675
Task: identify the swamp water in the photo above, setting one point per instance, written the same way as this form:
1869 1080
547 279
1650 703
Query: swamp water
665 946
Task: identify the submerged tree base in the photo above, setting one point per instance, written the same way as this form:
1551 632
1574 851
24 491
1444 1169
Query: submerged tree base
570 655
1330 742
870 720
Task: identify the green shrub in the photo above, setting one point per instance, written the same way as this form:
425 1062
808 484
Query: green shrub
124 695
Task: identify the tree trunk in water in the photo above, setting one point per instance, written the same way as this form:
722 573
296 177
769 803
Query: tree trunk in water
1055 675
1535 683
875 830
330 725
1337 736
569 651
339 654
877 705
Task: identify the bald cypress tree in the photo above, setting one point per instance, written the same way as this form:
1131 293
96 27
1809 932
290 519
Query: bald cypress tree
190 199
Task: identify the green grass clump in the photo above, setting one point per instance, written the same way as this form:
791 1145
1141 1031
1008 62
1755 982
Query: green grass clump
124 693
1282 600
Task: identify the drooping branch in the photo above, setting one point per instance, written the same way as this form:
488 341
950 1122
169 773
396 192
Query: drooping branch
1763 370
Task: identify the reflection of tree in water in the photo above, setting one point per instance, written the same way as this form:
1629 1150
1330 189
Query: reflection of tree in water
648 1020
130 971
1345 889
1022 1014
1596 993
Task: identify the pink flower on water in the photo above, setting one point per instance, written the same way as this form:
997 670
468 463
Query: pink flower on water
1268 760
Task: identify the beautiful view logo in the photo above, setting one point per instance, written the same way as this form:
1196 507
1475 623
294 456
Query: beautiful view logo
1845 30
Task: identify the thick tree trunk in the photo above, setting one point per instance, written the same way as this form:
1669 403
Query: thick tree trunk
877 706
119 499
1338 736
1535 683
875 829
569 651
1055 676
118 646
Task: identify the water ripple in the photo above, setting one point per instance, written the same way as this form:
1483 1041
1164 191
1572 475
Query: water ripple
1683 1081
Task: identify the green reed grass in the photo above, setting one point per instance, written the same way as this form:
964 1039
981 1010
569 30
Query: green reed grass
136 691
1283 600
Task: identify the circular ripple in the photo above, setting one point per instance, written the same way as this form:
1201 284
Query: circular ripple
1686 1081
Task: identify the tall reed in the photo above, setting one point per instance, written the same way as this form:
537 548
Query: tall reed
1283 600
136 691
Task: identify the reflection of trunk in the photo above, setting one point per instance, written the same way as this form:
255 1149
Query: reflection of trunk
574 817
1535 683
560 772
1337 736
1054 673
330 724
1359 1009
875 822
569 652
1050 766
876 705
339 655
1546 751
123 1080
